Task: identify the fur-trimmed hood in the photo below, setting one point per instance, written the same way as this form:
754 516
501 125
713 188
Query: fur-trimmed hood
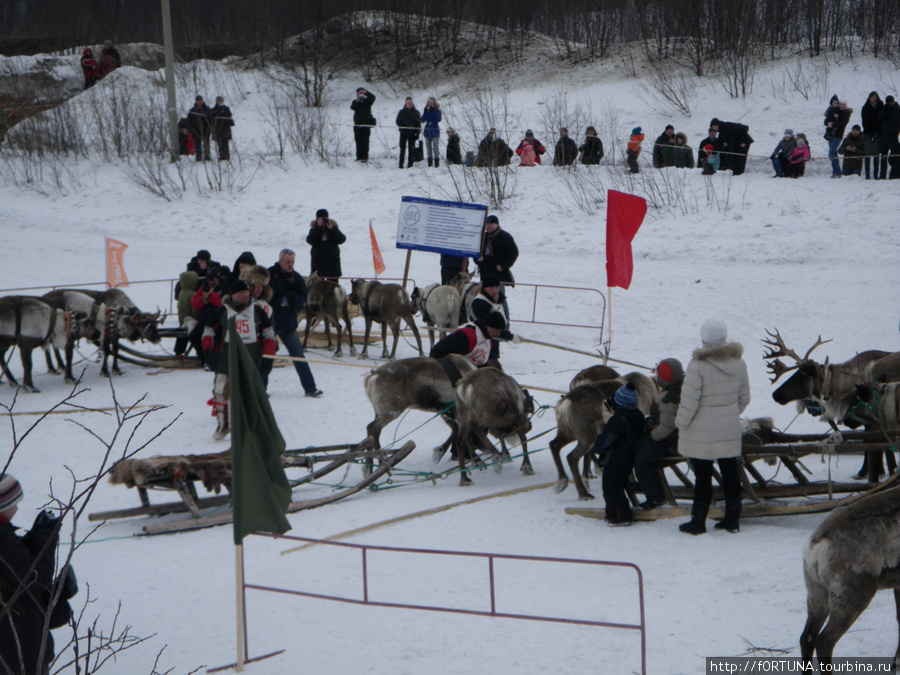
257 274
725 357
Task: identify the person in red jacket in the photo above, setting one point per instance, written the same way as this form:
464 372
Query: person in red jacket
89 67
530 150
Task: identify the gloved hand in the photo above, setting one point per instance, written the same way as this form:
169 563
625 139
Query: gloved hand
45 519
516 339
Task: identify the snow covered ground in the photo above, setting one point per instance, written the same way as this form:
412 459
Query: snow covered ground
810 256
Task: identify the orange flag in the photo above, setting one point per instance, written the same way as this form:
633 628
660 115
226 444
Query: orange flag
115 269
377 260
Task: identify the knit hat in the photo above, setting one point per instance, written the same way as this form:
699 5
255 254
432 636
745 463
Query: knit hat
492 219
669 372
669 126
834 100
237 286
708 148
322 213
889 99
788 132
636 131
10 492
856 127
203 254
529 132
714 332
801 142
490 280
626 396
451 130
495 320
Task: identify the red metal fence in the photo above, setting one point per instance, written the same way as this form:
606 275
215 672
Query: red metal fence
490 558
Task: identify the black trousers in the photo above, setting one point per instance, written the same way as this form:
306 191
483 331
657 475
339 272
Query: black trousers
407 140
646 463
361 136
618 508
731 478
222 145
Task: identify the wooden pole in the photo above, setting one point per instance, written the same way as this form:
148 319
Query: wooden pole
406 267
241 616
579 351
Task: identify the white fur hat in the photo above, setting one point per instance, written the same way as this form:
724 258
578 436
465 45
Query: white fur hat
714 332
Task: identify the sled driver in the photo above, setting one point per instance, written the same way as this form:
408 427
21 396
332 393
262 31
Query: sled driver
477 341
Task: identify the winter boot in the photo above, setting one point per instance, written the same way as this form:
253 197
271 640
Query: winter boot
430 161
732 520
697 523
437 162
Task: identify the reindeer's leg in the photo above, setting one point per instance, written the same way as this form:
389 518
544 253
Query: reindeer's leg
337 326
395 331
27 383
816 615
496 456
581 449
845 610
346 314
876 466
431 335
373 430
411 322
13 382
306 330
438 453
464 448
556 445
526 467
897 603
48 354
587 472
365 349
328 331
105 348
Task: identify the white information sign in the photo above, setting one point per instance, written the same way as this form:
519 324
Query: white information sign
453 228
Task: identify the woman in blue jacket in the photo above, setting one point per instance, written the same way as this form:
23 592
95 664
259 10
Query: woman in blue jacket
432 132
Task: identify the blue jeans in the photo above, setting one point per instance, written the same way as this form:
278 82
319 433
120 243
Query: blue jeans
778 165
833 145
291 340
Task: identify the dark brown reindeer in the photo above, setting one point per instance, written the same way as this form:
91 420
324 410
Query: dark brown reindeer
593 374
580 416
327 301
851 556
386 304
829 386
439 306
417 384
490 401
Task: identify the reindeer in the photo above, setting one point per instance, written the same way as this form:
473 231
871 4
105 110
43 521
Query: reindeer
123 319
490 401
439 306
326 300
94 328
828 386
385 304
876 406
581 415
593 374
851 556
468 291
30 323
417 384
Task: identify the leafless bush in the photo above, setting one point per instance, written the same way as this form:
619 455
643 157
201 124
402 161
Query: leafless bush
722 202
558 112
584 190
736 70
94 641
668 92
809 81
669 190
151 172
41 174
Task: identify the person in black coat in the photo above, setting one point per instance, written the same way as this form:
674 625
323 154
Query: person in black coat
566 149
451 265
454 153
200 124
615 448
736 142
245 259
222 123
499 255
837 115
713 140
27 566
592 148
477 342
871 126
409 120
663 147
325 237
888 143
363 121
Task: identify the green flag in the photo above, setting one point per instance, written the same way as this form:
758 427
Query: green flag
260 489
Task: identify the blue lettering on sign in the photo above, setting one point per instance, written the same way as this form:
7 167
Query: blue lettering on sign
412 215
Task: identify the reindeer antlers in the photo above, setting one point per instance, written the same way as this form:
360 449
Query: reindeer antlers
777 368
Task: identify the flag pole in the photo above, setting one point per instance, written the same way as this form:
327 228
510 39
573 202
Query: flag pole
609 322
241 615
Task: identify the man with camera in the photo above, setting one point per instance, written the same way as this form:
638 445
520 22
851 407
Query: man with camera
288 296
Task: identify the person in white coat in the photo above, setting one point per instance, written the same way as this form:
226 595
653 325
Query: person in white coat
715 392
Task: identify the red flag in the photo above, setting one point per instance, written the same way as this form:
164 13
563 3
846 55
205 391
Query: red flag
624 215
377 260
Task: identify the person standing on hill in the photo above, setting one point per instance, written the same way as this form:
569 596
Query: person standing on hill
108 62
363 121
432 131
871 126
88 67
409 123
222 123
736 142
200 123
454 153
566 149
888 142
715 391
325 237
836 118
592 148
633 150
663 148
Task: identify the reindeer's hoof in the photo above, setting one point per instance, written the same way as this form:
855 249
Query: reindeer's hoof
586 497
352 351
220 434
527 470
561 485
31 390
498 467
337 355
71 380
465 481
438 454
589 476
363 356
367 470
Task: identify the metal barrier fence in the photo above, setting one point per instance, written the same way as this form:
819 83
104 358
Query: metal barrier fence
495 611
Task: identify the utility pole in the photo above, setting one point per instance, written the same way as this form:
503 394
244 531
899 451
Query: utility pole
170 80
